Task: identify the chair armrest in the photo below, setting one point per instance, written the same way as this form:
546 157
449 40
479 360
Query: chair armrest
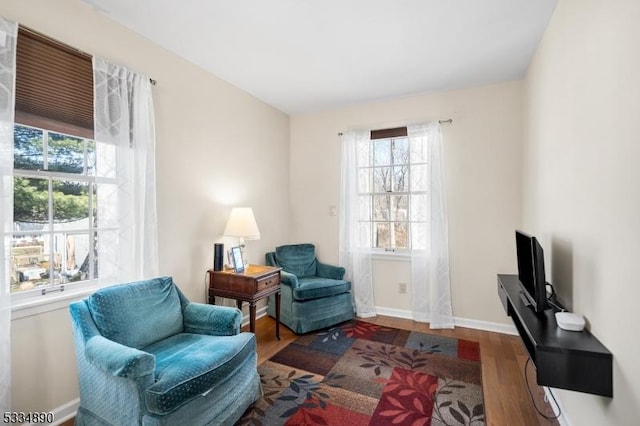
200 318
288 279
329 271
119 360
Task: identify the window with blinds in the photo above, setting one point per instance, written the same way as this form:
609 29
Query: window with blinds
56 183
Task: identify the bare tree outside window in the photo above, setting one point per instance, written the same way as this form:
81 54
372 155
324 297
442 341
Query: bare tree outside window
387 177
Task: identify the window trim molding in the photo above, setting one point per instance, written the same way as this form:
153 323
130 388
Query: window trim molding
34 306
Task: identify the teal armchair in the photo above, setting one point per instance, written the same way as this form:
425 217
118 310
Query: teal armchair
314 294
148 356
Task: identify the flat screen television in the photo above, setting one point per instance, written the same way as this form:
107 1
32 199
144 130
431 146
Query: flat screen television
531 271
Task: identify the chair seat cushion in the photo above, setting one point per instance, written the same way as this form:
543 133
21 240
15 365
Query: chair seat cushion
188 365
316 287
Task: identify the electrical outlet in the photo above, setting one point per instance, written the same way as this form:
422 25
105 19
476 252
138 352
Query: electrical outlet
402 288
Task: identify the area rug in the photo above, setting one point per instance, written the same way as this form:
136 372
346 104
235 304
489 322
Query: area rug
360 373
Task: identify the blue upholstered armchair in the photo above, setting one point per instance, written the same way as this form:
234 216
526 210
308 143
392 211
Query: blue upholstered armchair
147 356
314 295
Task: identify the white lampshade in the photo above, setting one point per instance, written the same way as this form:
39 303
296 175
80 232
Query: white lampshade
242 224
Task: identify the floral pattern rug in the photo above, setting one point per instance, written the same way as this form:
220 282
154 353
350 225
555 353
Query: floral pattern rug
360 373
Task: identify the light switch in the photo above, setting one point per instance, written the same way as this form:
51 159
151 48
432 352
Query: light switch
333 210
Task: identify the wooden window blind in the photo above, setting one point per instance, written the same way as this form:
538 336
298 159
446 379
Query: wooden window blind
396 132
54 85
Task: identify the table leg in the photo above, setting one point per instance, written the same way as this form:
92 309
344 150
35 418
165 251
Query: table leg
252 317
278 315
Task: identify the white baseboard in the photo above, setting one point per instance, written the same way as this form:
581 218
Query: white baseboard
65 412
396 313
259 314
458 322
486 326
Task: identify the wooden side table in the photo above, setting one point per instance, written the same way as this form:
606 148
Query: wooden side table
255 283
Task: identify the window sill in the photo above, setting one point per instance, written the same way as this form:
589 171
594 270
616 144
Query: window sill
391 255
47 303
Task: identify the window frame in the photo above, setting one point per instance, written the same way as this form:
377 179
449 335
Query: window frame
92 181
369 164
60 100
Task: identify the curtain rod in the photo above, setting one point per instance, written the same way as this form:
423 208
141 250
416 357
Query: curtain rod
447 121
65 46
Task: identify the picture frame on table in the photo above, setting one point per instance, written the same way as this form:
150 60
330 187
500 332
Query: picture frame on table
236 259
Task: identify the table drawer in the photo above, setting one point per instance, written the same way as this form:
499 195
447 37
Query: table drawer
267 282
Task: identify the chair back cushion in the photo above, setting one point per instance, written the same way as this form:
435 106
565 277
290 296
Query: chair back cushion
298 259
139 313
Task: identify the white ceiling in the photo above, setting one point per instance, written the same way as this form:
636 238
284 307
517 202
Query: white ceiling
306 56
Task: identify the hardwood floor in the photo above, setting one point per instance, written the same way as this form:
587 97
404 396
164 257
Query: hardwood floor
503 357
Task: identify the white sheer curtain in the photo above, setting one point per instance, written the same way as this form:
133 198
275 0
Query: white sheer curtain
8 34
125 149
430 289
355 237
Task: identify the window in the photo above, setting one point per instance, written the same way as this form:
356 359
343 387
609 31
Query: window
73 190
392 181
55 178
55 222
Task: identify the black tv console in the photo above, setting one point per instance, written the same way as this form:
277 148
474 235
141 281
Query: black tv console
573 360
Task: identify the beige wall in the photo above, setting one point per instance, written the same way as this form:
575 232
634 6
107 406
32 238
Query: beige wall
483 162
581 175
217 147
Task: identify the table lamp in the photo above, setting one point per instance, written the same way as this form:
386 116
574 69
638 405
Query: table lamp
242 224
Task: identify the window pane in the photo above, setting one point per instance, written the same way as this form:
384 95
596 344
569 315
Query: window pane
400 151
382 179
381 152
399 236
94 204
71 252
91 158
94 267
380 207
401 178
28 153
29 262
400 207
70 205
381 235
30 203
66 153
419 177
